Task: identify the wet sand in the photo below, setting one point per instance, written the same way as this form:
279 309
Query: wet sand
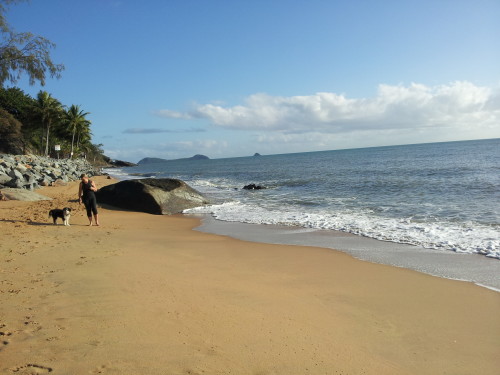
145 294
476 268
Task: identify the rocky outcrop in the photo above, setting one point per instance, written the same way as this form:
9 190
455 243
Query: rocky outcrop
253 187
121 163
31 171
163 196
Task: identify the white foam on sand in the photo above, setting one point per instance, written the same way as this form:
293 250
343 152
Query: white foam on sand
456 237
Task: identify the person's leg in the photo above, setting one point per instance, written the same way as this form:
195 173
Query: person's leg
89 211
94 211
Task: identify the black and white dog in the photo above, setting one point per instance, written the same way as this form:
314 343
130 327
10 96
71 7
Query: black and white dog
64 214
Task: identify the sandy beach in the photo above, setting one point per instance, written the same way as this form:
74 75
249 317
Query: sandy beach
145 294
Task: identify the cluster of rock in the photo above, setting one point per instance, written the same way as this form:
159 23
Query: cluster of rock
253 187
31 171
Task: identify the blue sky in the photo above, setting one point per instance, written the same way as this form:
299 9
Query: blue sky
229 78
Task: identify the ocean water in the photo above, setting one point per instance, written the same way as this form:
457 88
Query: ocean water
441 196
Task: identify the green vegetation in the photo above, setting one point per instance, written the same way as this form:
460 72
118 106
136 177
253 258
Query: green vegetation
37 125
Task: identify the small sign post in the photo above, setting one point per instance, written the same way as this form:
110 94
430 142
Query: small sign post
57 148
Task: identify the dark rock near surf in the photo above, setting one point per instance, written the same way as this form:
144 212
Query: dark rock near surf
253 187
257 154
162 196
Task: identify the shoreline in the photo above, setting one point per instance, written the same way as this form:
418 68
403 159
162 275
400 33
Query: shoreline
475 268
149 294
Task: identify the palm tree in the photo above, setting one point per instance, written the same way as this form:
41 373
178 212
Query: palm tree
76 122
49 111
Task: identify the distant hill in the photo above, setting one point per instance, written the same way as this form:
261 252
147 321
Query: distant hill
159 160
151 160
198 157
121 163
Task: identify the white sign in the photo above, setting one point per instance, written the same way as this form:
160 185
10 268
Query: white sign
57 147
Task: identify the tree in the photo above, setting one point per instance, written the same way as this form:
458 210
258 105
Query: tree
10 133
74 119
16 102
24 53
49 111
19 105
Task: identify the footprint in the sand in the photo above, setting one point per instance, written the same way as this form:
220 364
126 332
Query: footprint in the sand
4 335
32 324
31 369
99 370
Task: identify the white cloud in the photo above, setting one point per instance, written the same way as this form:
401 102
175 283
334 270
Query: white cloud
399 114
458 105
172 114
156 130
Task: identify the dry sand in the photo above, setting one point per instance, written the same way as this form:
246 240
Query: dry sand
145 294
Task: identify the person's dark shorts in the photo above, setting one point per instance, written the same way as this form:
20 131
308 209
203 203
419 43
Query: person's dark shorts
90 205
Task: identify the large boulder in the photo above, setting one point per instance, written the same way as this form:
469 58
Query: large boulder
4 178
23 195
162 196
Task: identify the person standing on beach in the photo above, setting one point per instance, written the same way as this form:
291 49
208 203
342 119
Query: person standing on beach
86 194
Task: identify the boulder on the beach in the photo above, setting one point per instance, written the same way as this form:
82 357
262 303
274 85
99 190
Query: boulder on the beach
4 178
23 195
162 196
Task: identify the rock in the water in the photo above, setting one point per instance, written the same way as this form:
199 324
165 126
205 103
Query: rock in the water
253 187
163 196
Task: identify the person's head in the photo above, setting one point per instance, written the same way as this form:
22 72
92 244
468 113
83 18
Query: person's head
84 178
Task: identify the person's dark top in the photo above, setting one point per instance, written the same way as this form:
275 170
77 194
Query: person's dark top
87 191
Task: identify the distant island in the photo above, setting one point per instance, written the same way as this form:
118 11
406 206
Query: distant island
159 160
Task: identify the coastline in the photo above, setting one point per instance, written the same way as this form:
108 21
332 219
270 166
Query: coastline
475 268
148 294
